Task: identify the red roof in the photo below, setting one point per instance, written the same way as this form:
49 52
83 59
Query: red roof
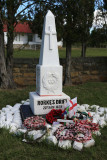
20 28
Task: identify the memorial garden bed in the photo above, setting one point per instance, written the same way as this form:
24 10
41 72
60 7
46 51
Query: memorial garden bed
91 93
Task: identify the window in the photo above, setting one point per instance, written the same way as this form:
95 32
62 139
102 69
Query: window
30 37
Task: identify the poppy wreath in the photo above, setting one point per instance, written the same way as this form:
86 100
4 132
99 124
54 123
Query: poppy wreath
51 116
34 122
80 131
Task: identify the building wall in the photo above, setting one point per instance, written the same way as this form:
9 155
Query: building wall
22 38
82 70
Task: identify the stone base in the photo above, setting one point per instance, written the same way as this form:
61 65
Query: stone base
43 105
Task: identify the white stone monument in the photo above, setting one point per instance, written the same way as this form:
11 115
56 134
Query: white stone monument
48 93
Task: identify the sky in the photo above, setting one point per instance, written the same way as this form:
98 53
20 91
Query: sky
101 21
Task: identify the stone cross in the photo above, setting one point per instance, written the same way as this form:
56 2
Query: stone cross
50 32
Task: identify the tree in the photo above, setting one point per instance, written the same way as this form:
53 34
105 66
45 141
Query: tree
98 37
74 19
9 14
105 4
66 12
85 20
39 13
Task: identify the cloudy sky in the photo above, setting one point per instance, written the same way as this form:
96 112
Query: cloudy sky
100 21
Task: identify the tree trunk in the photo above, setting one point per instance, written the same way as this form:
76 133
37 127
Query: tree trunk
9 60
4 80
83 52
67 79
10 38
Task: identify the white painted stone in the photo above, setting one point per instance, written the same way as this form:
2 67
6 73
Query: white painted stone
65 144
6 124
5 110
54 128
78 145
106 109
97 117
78 106
24 140
14 124
95 106
26 103
48 126
102 109
28 100
13 129
23 101
16 107
52 139
9 107
102 123
97 133
21 131
95 120
17 119
82 108
3 118
105 117
2 114
35 134
89 143
43 105
1 124
92 113
86 106
9 117
101 113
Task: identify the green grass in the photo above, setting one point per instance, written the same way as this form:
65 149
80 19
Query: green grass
76 52
11 147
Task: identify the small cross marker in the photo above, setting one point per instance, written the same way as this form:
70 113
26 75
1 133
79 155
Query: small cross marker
50 32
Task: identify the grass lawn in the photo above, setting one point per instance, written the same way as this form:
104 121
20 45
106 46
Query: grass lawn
76 52
11 147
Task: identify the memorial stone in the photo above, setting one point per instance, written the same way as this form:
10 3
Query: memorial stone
48 93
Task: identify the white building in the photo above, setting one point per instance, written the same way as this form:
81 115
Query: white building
24 38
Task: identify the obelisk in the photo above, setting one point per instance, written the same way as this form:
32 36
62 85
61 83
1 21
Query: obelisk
48 93
49 71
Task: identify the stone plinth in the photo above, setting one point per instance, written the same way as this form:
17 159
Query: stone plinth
43 105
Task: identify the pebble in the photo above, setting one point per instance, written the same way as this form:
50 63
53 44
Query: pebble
78 145
89 143
35 134
52 139
65 144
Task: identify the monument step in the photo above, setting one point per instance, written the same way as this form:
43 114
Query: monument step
26 112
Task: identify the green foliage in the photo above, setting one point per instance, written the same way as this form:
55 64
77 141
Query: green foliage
39 13
85 19
105 4
98 36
